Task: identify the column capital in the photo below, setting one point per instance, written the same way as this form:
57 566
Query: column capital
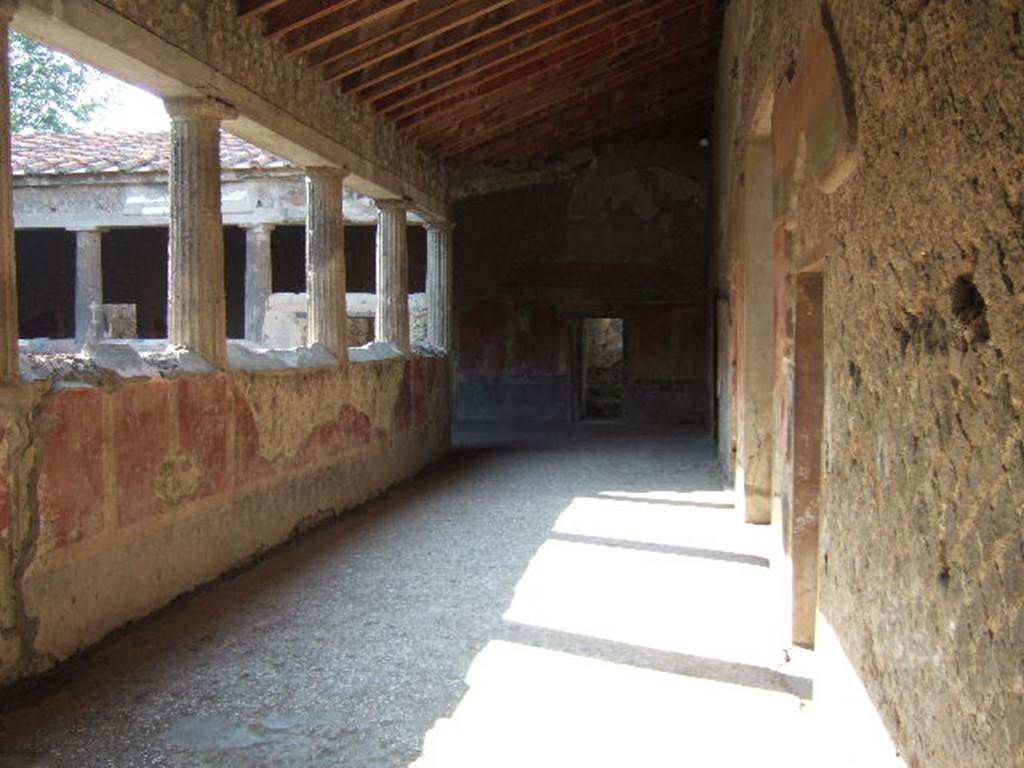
7 9
392 204
326 170
439 226
198 106
97 229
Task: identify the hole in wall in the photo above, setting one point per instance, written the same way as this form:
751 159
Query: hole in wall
855 374
969 309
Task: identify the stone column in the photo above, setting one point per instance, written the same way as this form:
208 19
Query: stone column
439 285
9 362
325 260
392 321
88 279
258 284
196 305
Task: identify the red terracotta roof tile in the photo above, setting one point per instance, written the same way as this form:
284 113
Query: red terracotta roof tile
47 154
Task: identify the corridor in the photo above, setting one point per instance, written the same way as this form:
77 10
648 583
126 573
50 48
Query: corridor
546 596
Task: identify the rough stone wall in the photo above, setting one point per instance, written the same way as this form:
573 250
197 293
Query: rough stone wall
922 542
163 484
616 231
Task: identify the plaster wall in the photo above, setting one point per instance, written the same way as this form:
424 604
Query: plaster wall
911 205
613 231
165 483
248 198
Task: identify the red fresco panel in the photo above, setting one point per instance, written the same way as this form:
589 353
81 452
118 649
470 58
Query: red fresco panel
141 441
71 488
540 337
482 339
203 428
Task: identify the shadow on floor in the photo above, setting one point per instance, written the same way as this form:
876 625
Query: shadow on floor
551 546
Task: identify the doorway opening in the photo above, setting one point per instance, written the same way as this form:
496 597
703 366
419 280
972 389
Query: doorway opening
603 377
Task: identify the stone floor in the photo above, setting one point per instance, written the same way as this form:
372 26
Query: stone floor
566 596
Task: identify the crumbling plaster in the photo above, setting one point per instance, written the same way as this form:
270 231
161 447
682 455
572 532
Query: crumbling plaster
169 481
922 543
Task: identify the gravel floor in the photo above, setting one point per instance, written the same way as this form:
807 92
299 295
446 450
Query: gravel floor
590 582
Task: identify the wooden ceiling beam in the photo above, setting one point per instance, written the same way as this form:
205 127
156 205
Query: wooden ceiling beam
248 8
587 70
522 50
421 64
543 99
295 15
348 55
508 84
546 135
500 25
350 16
617 91
553 60
677 119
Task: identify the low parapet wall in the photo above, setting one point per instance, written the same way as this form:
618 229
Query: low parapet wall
114 499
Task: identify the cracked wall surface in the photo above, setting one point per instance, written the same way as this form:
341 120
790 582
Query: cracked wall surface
921 238
165 483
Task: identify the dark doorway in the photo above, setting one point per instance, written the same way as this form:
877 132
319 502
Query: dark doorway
46 283
234 281
602 357
135 272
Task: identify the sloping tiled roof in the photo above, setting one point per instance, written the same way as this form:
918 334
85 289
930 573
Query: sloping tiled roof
48 154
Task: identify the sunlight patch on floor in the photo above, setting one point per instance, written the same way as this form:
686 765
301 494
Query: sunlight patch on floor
534 707
718 498
579 680
667 602
676 524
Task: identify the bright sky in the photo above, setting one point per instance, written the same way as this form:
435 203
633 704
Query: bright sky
125 108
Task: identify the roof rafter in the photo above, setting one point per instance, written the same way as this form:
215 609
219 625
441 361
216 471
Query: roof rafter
546 134
610 91
586 71
346 18
548 61
247 8
298 14
449 51
486 80
531 43
373 43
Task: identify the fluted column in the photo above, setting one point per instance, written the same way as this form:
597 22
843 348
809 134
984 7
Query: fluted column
9 365
325 260
392 321
196 314
88 279
258 279
439 285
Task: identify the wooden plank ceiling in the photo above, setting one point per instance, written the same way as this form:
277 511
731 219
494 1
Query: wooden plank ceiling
484 81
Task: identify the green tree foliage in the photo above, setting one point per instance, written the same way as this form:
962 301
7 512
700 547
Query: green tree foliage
48 89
